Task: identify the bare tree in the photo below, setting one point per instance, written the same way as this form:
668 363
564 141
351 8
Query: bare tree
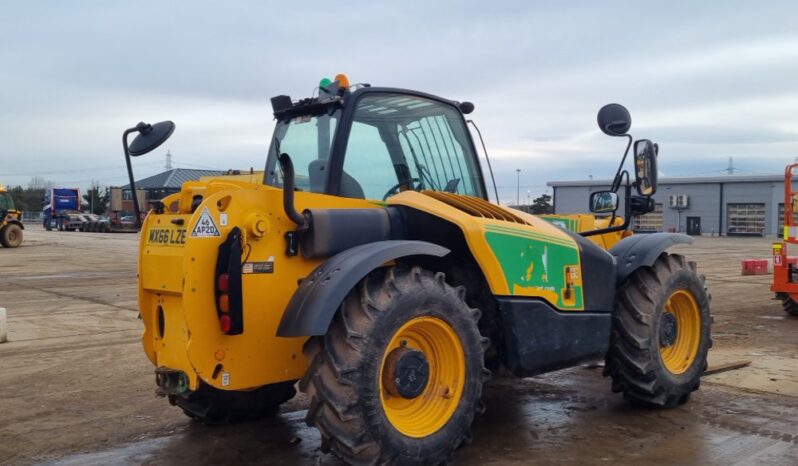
37 183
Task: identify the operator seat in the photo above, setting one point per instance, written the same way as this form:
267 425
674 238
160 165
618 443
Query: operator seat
317 173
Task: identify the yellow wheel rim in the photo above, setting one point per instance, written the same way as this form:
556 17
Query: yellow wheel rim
427 413
682 314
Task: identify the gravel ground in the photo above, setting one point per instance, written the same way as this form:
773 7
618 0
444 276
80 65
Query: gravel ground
76 388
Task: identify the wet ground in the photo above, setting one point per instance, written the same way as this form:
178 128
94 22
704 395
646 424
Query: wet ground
76 389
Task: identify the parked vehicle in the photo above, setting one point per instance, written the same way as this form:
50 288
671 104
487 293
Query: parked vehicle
61 209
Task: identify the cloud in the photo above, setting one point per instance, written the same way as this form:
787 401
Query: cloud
720 134
707 82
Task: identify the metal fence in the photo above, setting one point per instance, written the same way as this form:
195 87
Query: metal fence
32 216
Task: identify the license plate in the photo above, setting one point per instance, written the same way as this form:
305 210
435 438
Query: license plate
170 236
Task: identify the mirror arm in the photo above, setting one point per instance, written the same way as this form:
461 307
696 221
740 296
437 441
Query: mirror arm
616 182
136 207
627 219
620 180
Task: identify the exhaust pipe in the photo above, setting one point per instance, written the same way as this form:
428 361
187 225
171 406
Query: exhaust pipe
326 232
288 190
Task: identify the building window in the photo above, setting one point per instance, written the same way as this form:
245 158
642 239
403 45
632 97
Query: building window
126 196
746 219
156 194
649 222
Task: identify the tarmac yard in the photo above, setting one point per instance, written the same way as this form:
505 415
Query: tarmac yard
76 387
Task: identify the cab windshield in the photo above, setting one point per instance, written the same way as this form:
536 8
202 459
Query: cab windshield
397 142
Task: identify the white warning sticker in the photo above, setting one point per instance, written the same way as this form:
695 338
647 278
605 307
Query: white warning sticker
205 226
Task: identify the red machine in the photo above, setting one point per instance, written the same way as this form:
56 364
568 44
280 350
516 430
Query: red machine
785 271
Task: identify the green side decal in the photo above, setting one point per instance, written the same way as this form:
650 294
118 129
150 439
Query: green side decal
535 264
562 222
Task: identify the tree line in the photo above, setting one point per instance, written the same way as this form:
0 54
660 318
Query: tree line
540 205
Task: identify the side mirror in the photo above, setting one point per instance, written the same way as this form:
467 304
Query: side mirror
646 167
614 120
150 137
603 202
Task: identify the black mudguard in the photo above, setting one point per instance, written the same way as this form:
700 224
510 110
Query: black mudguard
642 250
318 297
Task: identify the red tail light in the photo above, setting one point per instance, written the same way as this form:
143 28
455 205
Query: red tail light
225 323
223 284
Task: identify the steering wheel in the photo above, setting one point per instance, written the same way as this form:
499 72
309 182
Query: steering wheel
395 188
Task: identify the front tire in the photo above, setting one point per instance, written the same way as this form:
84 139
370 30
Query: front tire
212 406
660 333
398 377
11 236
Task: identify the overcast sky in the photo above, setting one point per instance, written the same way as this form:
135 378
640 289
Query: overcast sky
707 80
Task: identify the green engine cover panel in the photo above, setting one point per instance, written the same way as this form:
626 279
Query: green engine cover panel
539 265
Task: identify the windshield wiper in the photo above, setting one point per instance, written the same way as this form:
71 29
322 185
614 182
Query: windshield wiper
422 170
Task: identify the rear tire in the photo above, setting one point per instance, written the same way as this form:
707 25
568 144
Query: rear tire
789 305
212 406
660 333
354 402
11 236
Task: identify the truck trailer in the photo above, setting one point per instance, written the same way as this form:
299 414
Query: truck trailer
62 209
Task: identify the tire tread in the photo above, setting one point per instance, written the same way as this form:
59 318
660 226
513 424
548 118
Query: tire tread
630 360
333 376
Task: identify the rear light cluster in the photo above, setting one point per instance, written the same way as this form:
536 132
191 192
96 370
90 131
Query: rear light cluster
223 302
227 286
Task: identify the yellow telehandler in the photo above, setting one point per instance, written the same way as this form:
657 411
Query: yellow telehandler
369 266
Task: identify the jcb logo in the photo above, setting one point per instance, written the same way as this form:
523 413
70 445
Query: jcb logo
167 236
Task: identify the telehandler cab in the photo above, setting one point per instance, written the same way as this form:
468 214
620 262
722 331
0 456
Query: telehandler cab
370 267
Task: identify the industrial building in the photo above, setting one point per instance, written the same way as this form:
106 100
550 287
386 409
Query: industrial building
156 187
730 205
